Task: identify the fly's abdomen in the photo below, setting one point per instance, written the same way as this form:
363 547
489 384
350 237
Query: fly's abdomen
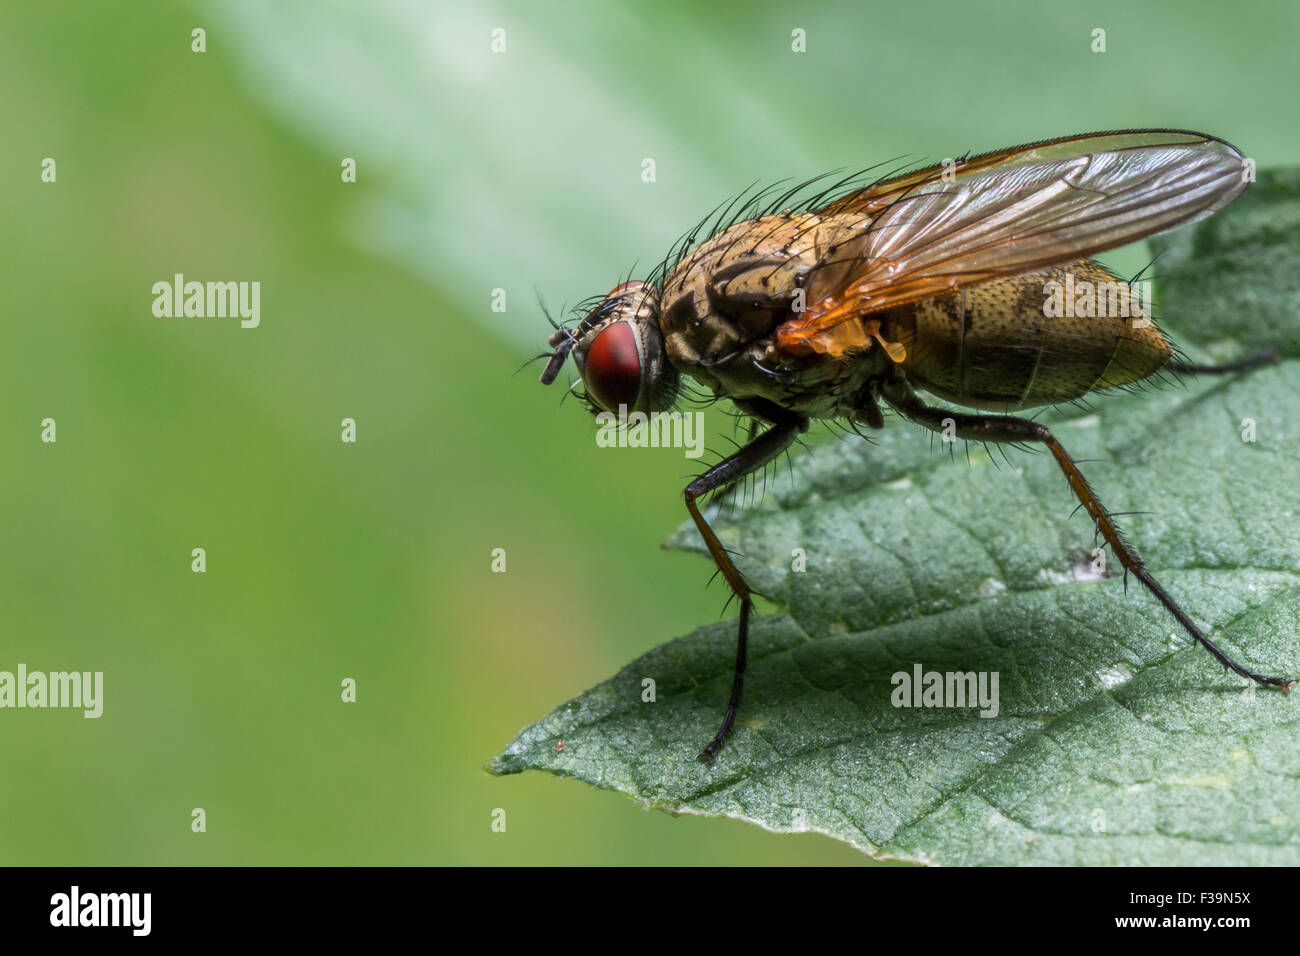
1033 339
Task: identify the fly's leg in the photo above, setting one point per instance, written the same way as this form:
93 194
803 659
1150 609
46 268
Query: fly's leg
1266 357
733 487
1007 428
750 458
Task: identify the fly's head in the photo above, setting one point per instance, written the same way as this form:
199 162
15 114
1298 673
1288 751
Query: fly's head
619 351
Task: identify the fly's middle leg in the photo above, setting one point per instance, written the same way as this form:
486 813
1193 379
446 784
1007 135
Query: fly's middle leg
1007 428
754 455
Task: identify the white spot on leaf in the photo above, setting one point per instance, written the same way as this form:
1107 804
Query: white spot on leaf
1114 675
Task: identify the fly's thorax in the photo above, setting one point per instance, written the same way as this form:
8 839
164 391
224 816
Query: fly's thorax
1042 337
737 287
816 386
722 304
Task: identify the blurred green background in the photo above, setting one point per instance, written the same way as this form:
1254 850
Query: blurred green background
476 171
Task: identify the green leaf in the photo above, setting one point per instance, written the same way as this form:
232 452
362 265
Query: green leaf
1117 740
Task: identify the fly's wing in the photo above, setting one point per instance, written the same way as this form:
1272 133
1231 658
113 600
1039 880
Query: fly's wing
876 197
1018 210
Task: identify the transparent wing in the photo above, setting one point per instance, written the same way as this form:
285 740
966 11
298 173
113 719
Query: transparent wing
874 198
1018 210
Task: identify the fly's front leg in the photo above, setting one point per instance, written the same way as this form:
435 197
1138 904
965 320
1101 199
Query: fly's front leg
1007 428
753 456
733 488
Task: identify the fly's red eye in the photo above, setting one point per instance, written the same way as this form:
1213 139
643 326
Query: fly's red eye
624 287
612 371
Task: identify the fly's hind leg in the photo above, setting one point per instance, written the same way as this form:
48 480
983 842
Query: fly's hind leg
754 455
1007 428
1266 357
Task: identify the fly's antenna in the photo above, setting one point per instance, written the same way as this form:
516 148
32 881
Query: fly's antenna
562 340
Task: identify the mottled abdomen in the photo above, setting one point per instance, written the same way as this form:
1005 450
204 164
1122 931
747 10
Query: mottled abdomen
1005 344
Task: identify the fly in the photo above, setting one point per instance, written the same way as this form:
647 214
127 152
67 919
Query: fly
929 281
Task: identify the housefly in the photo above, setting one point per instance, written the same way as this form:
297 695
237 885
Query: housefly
931 281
